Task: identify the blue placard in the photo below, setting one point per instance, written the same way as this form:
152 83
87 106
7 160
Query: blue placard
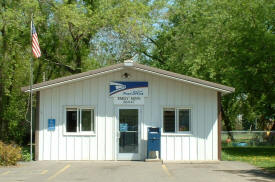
51 124
132 88
123 127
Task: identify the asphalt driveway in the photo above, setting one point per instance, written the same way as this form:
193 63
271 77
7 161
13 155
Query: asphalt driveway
65 171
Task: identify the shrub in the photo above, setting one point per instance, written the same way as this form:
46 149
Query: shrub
9 154
26 156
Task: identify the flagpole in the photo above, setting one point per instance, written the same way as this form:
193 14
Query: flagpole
31 82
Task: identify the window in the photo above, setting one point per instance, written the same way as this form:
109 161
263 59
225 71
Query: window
86 118
184 119
79 120
71 120
169 120
176 120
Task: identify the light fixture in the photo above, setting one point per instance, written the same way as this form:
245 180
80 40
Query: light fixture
126 75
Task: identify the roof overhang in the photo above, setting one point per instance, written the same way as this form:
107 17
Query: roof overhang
132 65
73 78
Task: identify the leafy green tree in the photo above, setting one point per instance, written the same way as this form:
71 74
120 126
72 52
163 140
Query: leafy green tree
228 42
70 34
14 36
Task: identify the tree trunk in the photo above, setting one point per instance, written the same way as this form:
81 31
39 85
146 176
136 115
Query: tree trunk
227 124
273 127
78 60
37 73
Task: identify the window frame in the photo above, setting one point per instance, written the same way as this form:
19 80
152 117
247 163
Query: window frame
71 109
79 123
177 108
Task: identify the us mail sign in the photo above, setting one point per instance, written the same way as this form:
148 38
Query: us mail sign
128 89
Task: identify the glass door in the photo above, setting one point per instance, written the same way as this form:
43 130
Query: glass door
128 134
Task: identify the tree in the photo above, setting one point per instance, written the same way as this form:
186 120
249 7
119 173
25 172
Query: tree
69 33
228 42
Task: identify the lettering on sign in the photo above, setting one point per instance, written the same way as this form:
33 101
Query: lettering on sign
129 100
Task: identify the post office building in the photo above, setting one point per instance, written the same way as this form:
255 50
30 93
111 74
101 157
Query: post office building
107 113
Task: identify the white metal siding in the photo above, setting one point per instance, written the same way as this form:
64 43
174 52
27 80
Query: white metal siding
201 144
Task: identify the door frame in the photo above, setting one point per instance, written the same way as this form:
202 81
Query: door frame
127 156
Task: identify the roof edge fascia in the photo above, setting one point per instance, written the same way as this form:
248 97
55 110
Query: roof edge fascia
143 68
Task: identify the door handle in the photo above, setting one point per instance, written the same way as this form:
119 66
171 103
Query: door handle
118 134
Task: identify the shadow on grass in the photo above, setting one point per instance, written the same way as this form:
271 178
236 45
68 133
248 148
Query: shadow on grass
262 157
270 169
250 151
253 172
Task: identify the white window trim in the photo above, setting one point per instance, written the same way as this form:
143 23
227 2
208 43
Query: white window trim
79 132
177 133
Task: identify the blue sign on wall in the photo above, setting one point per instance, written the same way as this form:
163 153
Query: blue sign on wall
123 127
51 124
121 88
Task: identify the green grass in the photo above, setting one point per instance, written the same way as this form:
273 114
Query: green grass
263 157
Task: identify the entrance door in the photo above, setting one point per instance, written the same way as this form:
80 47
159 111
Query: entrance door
128 134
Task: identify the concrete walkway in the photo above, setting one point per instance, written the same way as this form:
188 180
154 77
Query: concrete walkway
66 171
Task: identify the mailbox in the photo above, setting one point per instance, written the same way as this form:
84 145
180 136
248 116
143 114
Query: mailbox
153 143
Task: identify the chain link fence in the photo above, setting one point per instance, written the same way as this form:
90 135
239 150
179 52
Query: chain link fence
248 138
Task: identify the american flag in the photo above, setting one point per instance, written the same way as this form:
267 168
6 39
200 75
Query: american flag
35 44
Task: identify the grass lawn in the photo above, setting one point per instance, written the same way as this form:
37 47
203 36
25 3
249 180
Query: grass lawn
263 157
